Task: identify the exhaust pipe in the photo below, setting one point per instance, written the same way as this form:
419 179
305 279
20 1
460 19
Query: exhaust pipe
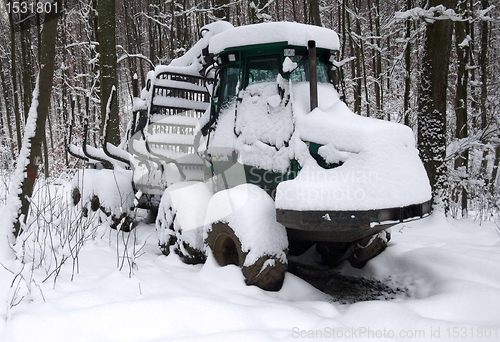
313 76
135 86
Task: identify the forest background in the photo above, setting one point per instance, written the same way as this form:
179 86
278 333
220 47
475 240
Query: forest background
432 65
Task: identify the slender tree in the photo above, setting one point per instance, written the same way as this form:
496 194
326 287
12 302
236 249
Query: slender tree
461 100
107 67
483 62
13 71
8 107
315 12
30 155
406 101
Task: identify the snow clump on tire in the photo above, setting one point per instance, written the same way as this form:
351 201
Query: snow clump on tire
180 220
241 229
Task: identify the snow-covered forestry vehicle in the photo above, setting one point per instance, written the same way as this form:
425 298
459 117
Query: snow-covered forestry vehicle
246 150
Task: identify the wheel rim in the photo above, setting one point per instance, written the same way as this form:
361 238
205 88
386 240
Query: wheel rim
225 251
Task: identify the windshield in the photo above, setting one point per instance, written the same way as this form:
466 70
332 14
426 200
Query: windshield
301 73
258 69
262 69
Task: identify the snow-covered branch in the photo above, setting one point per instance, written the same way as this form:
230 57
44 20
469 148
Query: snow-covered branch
430 15
132 55
440 12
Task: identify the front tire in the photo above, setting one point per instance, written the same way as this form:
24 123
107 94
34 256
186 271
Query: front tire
267 272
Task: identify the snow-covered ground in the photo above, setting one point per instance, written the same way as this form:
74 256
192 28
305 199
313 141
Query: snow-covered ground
449 268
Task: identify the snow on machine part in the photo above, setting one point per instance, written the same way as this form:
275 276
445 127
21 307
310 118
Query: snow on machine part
248 154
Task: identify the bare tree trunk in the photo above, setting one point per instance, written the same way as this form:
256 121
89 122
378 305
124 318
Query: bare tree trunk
26 68
238 16
363 62
406 102
173 29
344 32
107 67
432 102
462 47
483 62
379 90
356 66
294 11
151 39
30 155
9 107
306 16
45 157
494 173
17 114
315 14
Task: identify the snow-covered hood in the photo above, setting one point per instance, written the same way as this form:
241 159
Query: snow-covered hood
380 163
381 167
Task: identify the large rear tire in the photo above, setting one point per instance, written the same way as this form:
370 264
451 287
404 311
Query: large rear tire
368 248
267 272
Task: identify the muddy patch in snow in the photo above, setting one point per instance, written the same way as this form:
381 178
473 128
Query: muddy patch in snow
346 289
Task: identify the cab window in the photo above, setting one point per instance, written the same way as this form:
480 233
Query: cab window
229 77
262 69
301 73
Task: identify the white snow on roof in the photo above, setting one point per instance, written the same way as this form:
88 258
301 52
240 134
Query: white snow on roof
208 31
293 33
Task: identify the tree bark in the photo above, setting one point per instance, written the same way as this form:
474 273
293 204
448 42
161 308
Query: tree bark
294 11
26 69
406 101
107 67
462 48
8 108
306 16
494 173
363 63
483 62
432 102
13 71
315 13
357 65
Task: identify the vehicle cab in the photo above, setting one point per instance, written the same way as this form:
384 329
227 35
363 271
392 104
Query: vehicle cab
251 116
238 67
